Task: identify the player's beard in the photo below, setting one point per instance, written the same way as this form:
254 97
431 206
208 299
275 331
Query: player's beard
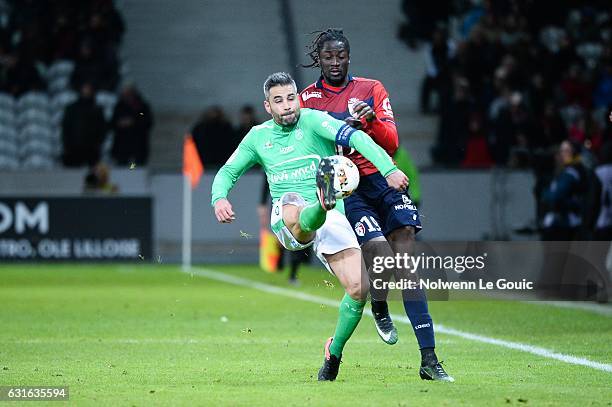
288 120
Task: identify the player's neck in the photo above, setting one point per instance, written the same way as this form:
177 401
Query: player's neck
333 85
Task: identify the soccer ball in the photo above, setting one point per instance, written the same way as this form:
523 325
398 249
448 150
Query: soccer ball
346 178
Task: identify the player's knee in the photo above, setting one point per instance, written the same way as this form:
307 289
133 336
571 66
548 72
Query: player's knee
358 289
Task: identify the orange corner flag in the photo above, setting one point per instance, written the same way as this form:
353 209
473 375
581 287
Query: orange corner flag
192 165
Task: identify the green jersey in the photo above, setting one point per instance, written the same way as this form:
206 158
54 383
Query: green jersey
290 155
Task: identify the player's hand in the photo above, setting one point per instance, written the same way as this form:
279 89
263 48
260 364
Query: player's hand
354 123
224 211
398 180
362 109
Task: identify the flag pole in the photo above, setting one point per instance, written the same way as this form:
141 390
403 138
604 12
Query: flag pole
187 196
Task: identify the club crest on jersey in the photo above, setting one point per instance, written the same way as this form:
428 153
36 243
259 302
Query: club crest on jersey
386 105
351 105
309 95
359 229
298 134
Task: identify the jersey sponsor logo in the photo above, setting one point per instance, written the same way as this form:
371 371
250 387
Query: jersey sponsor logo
298 134
306 171
268 145
386 105
406 199
405 206
286 150
310 95
360 229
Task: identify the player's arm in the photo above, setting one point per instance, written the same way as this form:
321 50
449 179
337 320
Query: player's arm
344 135
243 158
378 120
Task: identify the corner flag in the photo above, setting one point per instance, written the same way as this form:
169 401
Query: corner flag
192 164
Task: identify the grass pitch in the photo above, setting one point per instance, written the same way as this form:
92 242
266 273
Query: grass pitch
152 335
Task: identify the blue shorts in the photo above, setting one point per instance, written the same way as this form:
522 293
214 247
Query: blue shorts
375 209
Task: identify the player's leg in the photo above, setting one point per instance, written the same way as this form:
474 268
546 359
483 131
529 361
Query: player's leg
346 265
338 249
415 304
363 217
303 220
379 247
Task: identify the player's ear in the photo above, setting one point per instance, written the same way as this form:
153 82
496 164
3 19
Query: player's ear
267 107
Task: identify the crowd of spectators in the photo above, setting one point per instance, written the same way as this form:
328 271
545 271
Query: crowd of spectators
511 79
60 94
35 33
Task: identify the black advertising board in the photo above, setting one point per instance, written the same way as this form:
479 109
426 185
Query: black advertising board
79 228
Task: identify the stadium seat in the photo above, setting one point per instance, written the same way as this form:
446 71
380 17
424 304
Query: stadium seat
38 161
59 84
34 99
107 101
34 116
63 99
7 117
61 69
7 101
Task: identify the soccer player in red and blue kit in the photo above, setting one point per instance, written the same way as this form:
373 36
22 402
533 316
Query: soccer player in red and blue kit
384 220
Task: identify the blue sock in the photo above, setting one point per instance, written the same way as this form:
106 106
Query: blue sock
415 304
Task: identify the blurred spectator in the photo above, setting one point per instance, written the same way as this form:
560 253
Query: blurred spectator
131 123
438 57
603 225
214 137
477 150
97 180
454 125
18 74
83 130
99 69
565 197
246 121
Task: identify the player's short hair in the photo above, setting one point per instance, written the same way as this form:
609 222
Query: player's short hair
277 79
320 38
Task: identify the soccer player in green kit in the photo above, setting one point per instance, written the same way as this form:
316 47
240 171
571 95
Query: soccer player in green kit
291 148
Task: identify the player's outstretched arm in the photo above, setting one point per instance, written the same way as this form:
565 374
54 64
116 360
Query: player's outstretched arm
344 135
241 160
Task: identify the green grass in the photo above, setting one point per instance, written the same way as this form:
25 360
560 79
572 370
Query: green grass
151 335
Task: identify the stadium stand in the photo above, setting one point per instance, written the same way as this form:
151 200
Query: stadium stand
531 76
42 46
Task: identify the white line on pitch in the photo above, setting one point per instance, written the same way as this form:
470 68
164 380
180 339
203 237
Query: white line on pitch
536 350
602 309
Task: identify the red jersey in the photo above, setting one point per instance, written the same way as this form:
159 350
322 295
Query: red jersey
338 103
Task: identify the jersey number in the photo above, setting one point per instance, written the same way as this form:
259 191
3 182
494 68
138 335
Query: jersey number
371 223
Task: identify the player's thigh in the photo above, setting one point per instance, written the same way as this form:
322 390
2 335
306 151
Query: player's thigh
283 218
363 218
337 248
397 211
